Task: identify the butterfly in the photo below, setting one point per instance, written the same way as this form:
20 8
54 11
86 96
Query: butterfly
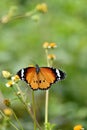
40 77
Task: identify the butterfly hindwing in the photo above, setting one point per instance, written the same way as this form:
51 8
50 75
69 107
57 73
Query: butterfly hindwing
43 83
34 82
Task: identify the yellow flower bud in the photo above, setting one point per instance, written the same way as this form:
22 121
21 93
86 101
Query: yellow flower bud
15 78
6 74
10 84
7 111
78 127
52 45
45 45
31 65
42 7
7 102
51 57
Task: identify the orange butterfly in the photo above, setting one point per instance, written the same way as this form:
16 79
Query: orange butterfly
40 77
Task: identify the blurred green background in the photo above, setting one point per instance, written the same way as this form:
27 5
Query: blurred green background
21 42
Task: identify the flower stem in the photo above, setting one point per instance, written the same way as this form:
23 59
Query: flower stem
46 108
9 121
27 106
13 125
18 121
46 97
33 100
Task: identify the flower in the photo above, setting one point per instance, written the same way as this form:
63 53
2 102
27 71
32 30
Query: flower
45 45
6 74
31 65
51 57
42 7
78 127
48 45
52 45
15 78
10 83
7 102
7 111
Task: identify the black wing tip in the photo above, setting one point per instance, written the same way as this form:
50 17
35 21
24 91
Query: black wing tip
22 74
19 73
62 75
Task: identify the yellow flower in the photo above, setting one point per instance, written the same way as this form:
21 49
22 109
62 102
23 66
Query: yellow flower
7 102
10 84
42 7
78 127
15 78
45 45
31 65
52 45
51 57
6 74
7 111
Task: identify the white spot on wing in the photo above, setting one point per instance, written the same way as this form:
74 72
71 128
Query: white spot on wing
22 73
58 73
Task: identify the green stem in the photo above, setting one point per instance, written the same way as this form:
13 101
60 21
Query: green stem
46 108
18 121
9 120
26 15
33 100
13 125
46 97
27 107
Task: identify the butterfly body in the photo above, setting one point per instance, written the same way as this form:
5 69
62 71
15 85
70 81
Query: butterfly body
37 69
40 77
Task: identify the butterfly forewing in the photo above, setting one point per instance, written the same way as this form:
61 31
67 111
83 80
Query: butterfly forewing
49 74
29 74
31 77
34 84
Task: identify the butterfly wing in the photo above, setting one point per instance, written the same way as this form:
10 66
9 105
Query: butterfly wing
41 79
48 76
30 76
42 82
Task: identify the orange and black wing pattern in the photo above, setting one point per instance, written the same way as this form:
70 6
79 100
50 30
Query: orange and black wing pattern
29 75
40 77
48 76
